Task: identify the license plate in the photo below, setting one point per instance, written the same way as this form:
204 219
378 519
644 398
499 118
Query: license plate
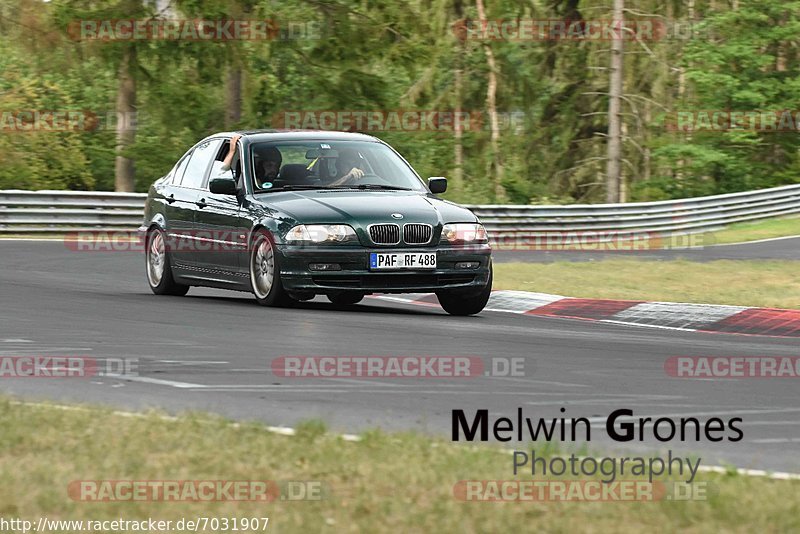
402 260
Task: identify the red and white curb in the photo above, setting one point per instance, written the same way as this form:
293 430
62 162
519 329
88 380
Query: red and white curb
672 315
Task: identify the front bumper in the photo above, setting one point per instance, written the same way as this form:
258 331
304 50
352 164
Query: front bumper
356 276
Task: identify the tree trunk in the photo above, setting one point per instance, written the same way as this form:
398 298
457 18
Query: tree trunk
496 167
126 128
458 133
458 81
233 96
623 182
614 161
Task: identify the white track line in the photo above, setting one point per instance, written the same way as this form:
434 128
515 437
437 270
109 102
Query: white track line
156 381
767 240
289 431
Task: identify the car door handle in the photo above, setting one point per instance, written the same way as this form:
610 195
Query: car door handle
201 203
171 199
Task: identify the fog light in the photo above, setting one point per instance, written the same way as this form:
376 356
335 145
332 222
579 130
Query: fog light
468 265
324 266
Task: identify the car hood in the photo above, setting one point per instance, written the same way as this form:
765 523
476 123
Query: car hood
362 208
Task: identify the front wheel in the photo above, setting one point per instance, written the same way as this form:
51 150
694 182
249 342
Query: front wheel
460 303
159 270
265 275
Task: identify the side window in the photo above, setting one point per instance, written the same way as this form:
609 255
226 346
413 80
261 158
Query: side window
177 173
199 162
216 165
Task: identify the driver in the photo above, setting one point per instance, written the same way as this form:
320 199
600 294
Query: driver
348 167
268 163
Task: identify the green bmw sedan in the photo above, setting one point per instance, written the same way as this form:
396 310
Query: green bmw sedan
288 215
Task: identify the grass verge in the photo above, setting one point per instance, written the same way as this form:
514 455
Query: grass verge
382 483
754 231
759 283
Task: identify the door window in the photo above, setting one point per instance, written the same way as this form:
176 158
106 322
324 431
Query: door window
199 162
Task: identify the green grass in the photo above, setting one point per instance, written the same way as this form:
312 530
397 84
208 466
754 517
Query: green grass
761 283
753 231
382 483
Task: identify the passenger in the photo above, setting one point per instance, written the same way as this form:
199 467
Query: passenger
226 163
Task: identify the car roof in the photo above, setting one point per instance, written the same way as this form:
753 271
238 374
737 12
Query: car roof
298 135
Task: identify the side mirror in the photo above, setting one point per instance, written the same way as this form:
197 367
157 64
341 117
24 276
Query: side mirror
437 184
222 186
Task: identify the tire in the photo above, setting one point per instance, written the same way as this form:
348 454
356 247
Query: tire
265 273
159 267
460 303
346 299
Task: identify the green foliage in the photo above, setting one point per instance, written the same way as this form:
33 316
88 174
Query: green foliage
391 55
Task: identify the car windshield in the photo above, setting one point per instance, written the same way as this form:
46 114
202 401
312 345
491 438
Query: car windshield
288 165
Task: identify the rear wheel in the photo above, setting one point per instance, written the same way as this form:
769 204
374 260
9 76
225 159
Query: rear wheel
159 269
461 303
265 274
346 299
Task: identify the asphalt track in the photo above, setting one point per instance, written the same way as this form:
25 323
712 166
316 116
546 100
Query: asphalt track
211 351
782 248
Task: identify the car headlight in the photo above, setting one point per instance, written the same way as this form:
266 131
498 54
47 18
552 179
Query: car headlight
464 233
321 233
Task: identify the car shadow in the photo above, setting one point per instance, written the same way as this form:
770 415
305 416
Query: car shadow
364 307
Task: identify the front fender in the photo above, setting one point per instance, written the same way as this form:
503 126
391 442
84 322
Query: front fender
276 227
156 219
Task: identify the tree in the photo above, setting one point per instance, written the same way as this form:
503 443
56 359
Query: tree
614 162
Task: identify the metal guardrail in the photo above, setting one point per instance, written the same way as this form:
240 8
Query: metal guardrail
683 216
31 212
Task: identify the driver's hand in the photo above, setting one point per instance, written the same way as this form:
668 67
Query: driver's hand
356 173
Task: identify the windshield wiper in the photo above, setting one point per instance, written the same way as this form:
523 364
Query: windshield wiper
373 186
293 187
